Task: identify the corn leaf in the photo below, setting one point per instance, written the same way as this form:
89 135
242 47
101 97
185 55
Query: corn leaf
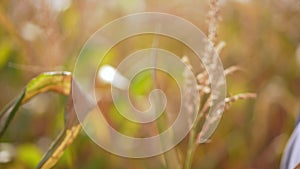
59 82
52 81
64 139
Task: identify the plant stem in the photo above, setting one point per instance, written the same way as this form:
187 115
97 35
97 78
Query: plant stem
191 148
192 136
170 157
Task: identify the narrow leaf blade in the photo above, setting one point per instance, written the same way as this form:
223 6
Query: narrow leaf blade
51 81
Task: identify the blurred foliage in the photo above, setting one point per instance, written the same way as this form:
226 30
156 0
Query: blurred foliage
262 37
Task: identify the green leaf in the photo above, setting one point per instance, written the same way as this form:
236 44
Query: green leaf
59 82
59 146
64 139
9 112
51 81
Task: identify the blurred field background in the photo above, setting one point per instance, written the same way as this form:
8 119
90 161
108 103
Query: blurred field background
262 37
